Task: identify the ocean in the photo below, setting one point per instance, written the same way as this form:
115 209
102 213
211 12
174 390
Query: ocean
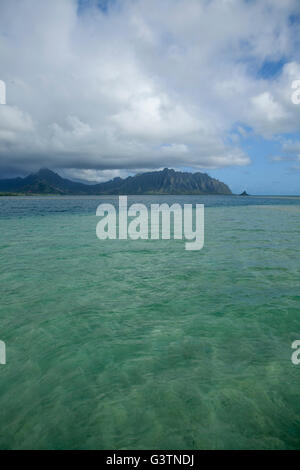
123 344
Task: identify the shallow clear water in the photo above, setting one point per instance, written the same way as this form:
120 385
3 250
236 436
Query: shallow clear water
141 344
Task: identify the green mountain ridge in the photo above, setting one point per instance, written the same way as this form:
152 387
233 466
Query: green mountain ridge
163 182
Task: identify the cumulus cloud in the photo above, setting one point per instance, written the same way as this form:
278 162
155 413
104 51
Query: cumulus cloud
144 84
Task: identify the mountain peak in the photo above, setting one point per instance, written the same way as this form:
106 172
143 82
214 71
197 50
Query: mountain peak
167 181
168 170
46 172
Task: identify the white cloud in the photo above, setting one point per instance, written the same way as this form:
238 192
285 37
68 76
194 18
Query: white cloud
147 85
93 176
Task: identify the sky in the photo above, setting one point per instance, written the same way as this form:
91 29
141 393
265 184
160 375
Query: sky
99 89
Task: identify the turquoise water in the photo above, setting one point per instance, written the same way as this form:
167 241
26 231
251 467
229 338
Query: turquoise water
141 344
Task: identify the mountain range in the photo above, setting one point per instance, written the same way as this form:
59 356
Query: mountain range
156 182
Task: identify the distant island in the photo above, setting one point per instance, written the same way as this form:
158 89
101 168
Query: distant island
156 182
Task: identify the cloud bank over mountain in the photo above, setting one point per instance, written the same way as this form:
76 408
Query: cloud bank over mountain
144 84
